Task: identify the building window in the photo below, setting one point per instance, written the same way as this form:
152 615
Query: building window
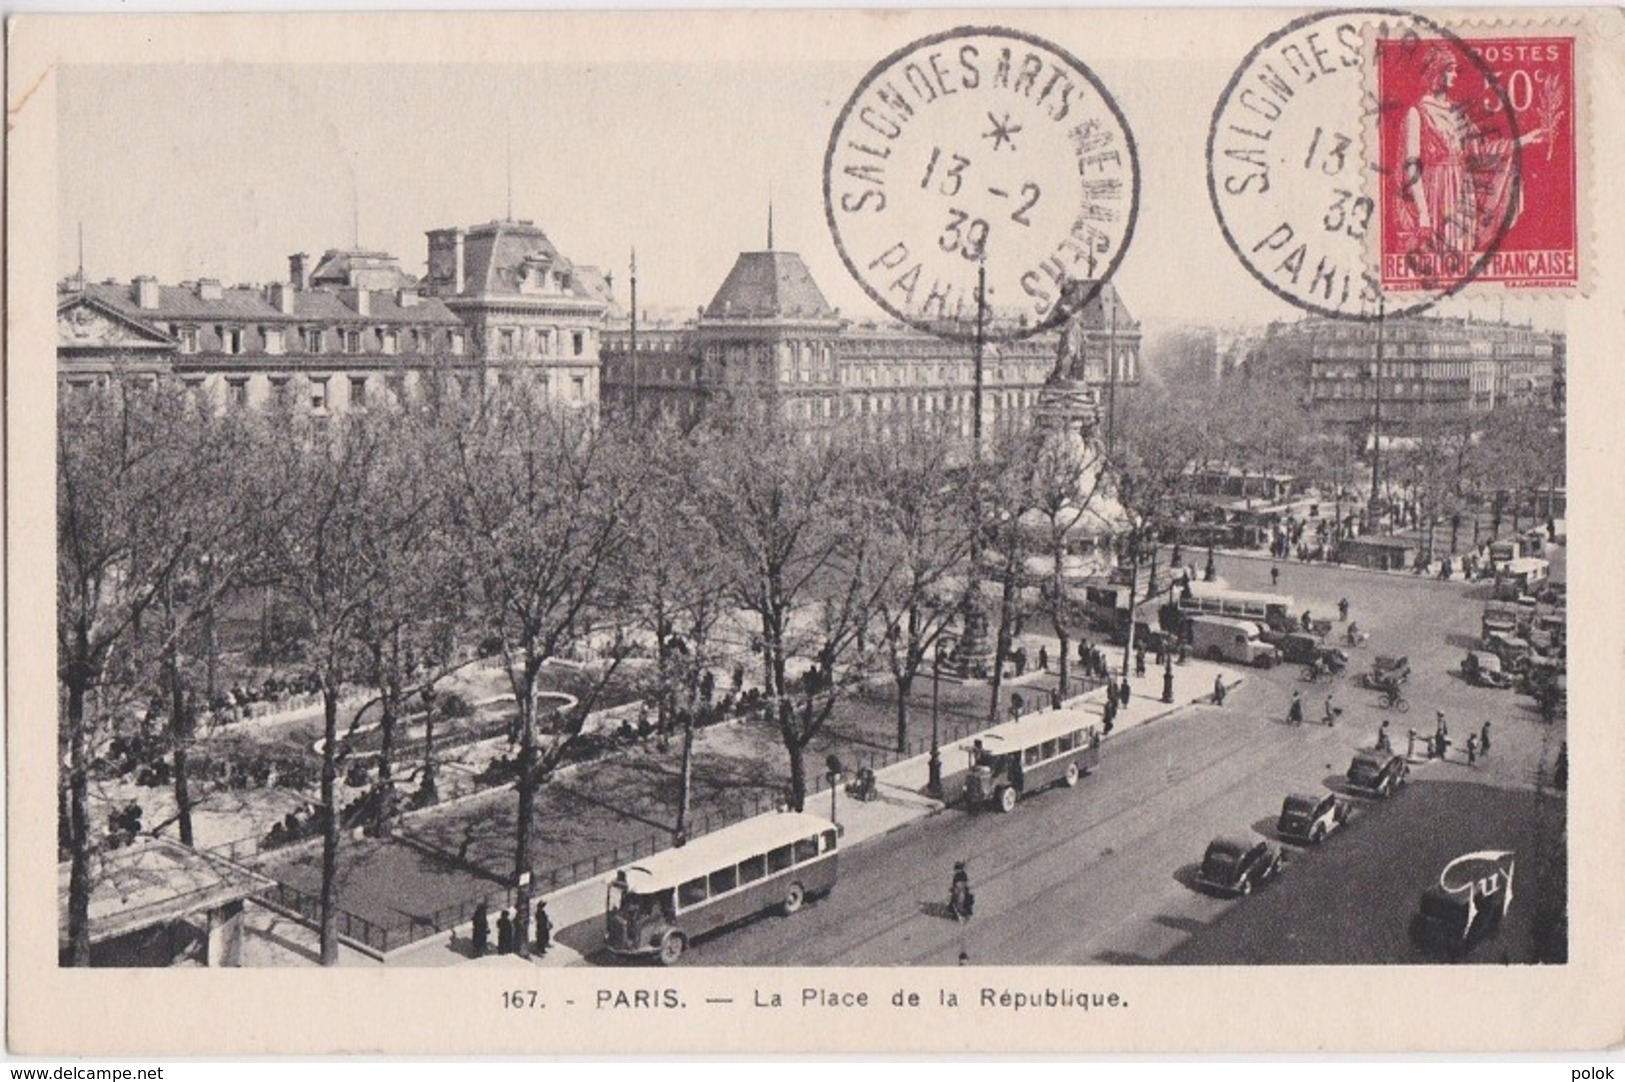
318 393
358 392
456 342
504 381
389 342
231 339
578 388
578 342
237 392
351 341
188 337
279 389
273 340
505 343
313 339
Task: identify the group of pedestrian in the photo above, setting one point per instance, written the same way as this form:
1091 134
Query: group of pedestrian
506 928
1093 661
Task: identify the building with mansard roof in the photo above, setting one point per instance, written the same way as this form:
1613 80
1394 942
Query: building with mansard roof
769 330
336 334
529 310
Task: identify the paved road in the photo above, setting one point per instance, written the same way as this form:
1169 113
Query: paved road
1102 874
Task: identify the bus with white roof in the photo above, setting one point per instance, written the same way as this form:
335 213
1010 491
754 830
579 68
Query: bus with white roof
658 906
1011 760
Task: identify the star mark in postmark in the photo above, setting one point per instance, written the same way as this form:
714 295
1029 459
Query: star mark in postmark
1002 132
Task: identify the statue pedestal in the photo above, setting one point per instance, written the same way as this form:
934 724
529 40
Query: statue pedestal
972 655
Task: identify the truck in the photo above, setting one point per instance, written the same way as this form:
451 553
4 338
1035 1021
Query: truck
1221 638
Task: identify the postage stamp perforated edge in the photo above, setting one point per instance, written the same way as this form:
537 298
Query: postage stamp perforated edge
1469 29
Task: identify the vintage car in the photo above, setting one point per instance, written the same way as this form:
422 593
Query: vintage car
1379 772
1513 651
1451 924
1297 648
1387 671
1236 865
1309 818
1484 669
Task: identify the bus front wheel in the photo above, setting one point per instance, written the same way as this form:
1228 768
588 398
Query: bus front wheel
1071 775
672 947
1007 799
793 898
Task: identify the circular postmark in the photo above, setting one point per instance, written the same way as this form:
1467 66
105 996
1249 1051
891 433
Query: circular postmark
985 164
1364 163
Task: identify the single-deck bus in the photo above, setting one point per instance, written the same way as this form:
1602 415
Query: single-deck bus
1010 760
1274 611
657 906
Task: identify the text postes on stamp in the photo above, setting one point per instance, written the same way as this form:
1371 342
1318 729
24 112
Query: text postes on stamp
1452 176
1298 179
981 148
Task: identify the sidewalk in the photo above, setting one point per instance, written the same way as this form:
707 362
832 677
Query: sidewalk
902 800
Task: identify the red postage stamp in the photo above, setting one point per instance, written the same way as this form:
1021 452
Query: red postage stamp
1478 162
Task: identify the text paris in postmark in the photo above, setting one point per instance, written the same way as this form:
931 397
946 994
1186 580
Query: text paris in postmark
1323 151
981 150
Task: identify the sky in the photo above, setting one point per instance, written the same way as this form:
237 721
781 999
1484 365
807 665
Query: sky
222 169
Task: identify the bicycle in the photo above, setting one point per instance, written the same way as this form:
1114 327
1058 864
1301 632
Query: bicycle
1393 700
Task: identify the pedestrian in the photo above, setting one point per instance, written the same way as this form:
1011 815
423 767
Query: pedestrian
1139 662
1017 705
1111 695
1021 661
960 903
1055 697
1308 623
1343 609
1275 576
1218 691
1043 659
544 928
1383 742
1083 653
1441 737
1484 740
1472 749
1331 713
504 933
482 930
1122 693
1110 716
1294 713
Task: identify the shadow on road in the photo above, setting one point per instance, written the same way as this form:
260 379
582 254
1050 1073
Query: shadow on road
1181 924
1123 958
1185 876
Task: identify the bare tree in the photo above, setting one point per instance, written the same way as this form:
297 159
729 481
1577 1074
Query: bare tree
128 485
799 541
352 495
926 530
539 507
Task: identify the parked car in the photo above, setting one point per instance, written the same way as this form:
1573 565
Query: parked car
1236 865
1484 669
1298 648
1386 670
1379 772
1309 818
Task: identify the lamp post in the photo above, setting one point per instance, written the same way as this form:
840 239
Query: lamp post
934 778
833 773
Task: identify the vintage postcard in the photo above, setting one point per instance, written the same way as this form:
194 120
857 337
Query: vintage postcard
903 531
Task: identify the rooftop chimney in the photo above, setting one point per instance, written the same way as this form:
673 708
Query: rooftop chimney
360 300
405 298
299 270
146 292
209 289
280 294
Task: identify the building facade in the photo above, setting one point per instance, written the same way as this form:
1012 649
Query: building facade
336 335
770 332
500 303
1429 366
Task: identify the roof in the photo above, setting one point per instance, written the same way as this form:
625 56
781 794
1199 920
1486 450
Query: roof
709 852
502 256
247 304
769 285
154 881
1034 727
1230 843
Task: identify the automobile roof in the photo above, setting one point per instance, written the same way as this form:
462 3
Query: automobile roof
729 845
1229 843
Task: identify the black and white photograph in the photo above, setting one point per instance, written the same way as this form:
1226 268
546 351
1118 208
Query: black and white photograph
815 531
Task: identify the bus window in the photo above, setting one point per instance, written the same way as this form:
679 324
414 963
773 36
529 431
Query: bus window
691 892
1030 756
829 841
778 859
1048 750
753 869
806 848
723 880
